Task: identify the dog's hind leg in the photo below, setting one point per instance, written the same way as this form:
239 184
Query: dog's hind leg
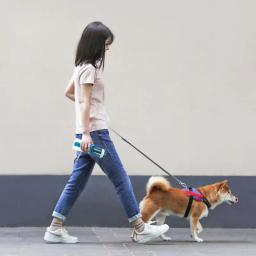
160 220
149 210
199 228
193 226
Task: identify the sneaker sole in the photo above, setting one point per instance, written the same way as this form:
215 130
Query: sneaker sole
53 239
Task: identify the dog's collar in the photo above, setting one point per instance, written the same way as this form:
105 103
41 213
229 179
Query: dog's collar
195 194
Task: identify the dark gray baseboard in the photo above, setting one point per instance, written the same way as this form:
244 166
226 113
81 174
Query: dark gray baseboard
28 200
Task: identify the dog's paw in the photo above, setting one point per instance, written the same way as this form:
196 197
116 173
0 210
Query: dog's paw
165 238
199 240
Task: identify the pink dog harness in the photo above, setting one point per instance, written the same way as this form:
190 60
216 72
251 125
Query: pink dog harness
196 195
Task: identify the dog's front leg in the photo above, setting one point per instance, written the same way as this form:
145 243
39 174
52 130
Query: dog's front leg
193 226
160 220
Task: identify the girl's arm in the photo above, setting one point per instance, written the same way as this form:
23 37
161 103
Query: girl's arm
86 92
70 90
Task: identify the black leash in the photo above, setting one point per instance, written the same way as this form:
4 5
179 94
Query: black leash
183 184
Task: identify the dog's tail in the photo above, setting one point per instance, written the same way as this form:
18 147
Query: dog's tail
157 183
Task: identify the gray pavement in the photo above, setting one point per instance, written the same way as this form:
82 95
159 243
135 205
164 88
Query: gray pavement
28 241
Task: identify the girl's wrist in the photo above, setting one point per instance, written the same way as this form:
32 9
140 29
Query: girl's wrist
87 132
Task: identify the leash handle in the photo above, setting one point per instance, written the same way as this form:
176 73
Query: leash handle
183 184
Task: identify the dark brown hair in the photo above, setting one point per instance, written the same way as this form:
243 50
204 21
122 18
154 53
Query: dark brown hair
91 46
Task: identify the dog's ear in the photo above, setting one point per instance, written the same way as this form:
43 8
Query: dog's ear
222 185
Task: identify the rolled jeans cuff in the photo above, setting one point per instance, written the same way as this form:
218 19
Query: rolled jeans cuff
59 216
135 217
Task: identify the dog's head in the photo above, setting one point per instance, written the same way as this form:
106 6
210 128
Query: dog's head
225 193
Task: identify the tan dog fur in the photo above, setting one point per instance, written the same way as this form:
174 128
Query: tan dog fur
163 200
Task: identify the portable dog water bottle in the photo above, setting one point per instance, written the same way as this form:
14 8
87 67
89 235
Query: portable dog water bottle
96 151
93 150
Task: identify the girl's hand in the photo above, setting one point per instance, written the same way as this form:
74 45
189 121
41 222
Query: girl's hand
86 141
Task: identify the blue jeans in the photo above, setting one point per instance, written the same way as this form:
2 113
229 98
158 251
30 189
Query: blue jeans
111 166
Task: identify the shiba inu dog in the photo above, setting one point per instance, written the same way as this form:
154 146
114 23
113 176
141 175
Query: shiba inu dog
163 200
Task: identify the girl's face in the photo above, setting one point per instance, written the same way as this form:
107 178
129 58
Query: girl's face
107 43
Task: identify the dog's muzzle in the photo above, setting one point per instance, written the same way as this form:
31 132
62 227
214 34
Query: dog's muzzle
233 201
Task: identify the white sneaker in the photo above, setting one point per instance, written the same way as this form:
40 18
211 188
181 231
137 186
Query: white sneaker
60 235
149 233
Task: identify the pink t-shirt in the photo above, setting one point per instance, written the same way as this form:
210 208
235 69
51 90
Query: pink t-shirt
87 73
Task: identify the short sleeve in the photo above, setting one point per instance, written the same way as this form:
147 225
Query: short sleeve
88 75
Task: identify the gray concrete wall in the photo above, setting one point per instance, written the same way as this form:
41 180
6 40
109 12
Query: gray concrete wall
30 200
180 84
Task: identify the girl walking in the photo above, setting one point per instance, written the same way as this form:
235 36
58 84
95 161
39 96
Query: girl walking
86 89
